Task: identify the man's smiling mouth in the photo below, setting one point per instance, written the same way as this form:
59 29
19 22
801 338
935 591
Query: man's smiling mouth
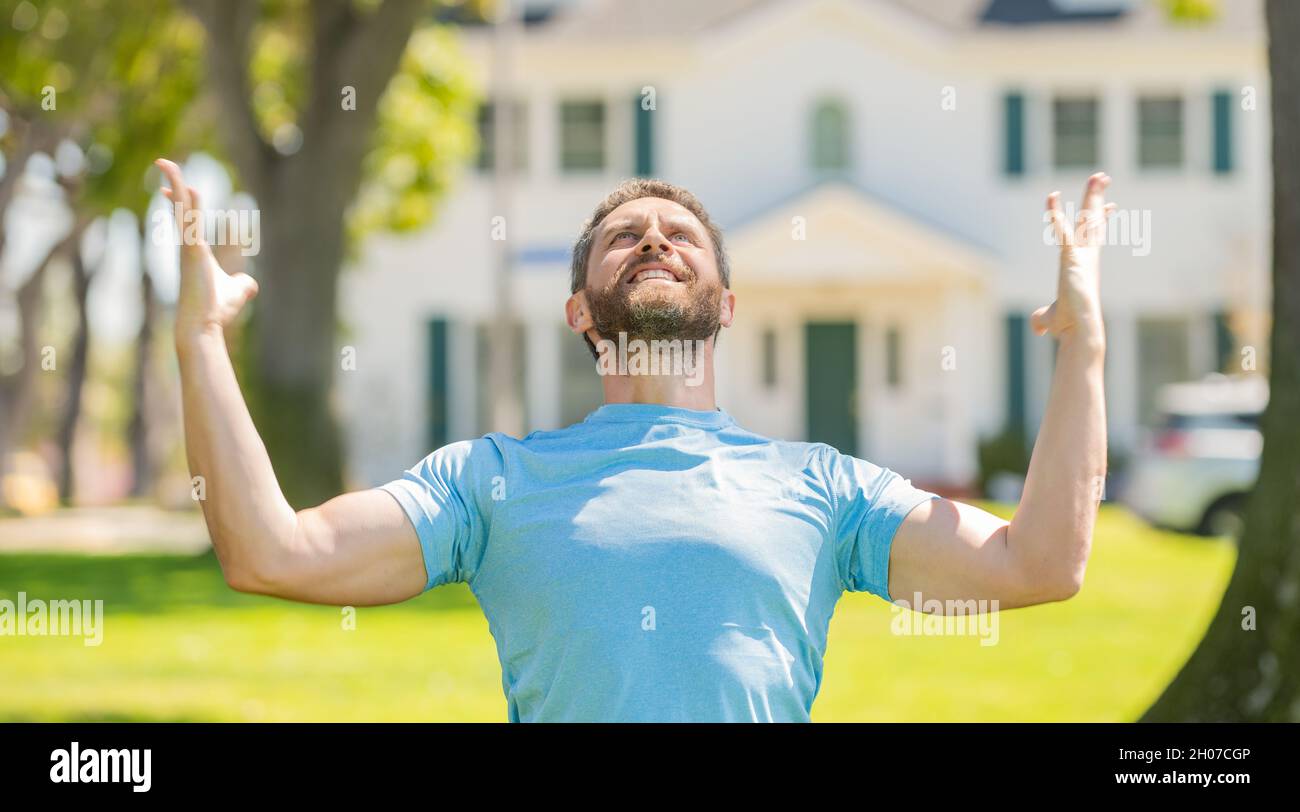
655 272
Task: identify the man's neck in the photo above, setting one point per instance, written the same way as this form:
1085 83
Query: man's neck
693 389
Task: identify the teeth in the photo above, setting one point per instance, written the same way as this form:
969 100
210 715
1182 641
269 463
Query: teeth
654 273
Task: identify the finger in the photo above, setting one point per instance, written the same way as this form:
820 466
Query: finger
173 174
194 197
1058 219
1041 319
1094 193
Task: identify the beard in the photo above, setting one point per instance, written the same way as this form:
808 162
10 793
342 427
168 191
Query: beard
687 312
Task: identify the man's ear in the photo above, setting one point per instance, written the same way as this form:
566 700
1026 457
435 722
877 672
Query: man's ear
577 314
727 308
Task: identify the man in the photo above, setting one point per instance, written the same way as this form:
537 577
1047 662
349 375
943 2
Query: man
656 561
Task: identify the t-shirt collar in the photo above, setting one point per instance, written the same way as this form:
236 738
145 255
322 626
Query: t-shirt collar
657 413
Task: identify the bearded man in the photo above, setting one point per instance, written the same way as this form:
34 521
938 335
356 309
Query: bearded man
655 562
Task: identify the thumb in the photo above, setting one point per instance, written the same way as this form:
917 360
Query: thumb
1041 320
247 286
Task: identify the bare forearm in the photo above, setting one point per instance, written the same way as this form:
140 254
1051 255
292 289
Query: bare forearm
1051 532
247 515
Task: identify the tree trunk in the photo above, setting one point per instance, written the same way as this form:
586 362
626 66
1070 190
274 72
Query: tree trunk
76 373
1244 670
138 429
18 388
288 352
290 342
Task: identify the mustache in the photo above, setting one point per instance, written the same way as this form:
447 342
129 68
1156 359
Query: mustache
675 263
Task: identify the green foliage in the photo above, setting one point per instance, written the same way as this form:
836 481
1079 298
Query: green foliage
425 128
425 132
122 76
1192 11
1007 452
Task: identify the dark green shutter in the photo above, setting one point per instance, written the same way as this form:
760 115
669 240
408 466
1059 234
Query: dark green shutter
1222 132
645 163
1225 344
1015 338
1014 158
437 387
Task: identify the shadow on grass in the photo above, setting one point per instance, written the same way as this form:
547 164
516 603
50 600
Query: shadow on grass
154 584
106 716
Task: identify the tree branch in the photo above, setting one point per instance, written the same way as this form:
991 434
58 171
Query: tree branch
363 53
229 25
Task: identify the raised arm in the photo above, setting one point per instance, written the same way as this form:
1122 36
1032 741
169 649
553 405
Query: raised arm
947 550
356 549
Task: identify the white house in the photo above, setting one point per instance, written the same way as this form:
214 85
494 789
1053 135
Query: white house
879 168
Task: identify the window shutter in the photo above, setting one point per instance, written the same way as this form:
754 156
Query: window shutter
1222 132
1014 155
645 161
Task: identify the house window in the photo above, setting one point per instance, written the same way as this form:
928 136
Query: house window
483 362
1075 132
894 357
581 390
1163 357
830 137
769 358
1160 132
582 136
487 135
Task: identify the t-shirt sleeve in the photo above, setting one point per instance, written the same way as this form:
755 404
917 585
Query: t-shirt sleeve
440 497
870 502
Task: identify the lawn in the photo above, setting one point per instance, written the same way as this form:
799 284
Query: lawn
179 645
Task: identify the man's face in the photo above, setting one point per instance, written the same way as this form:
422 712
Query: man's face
652 274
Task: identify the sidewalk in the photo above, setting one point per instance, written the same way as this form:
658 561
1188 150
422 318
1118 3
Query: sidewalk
126 529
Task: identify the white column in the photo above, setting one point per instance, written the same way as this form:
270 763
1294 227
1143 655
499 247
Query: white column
1121 377
542 374
462 379
957 336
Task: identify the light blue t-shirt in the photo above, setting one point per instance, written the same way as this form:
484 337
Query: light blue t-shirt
654 563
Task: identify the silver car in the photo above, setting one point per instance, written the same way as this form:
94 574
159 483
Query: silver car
1199 463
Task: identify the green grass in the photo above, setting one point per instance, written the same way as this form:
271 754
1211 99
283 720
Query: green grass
179 645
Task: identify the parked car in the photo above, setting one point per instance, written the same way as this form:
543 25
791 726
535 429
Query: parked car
1200 461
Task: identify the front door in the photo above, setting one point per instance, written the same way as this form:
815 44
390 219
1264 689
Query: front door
830 364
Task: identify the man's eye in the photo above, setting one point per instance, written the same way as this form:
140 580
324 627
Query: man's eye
620 235
684 236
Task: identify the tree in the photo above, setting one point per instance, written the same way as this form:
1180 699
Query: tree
1247 668
310 111
106 103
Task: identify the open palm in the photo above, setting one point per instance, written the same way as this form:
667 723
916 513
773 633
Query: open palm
1078 288
209 297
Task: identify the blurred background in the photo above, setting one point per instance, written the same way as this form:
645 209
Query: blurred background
405 179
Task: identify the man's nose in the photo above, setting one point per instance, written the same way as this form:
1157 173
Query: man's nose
654 240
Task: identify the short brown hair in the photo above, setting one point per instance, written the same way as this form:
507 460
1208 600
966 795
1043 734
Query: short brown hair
635 189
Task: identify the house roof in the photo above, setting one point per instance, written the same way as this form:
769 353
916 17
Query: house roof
847 235
615 18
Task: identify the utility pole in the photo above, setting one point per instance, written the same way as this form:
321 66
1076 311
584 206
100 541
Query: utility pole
506 403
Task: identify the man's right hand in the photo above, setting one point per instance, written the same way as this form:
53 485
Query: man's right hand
358 549
210 298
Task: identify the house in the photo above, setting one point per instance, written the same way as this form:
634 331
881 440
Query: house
879 168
